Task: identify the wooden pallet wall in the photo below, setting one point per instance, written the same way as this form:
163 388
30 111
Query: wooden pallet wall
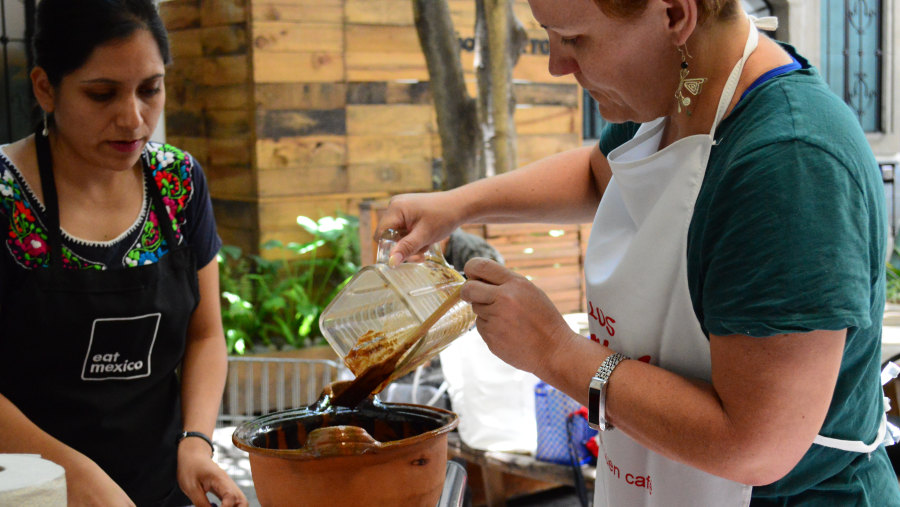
308 107
550 255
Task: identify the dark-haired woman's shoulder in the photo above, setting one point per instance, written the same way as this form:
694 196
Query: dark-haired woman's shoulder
183 186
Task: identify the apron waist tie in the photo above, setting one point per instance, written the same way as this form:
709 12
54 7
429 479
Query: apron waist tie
888 433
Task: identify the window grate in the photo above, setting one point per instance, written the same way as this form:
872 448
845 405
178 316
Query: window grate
852 56
17 104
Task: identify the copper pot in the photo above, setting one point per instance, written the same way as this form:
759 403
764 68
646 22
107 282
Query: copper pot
375 454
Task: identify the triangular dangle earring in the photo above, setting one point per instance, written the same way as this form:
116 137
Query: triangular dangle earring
46 131
692 85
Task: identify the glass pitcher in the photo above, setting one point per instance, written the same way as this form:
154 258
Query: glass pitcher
391 301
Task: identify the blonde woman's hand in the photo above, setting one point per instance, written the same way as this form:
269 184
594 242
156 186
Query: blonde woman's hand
516 319
424 218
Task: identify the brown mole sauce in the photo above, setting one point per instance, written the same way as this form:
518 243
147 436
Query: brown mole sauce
383 424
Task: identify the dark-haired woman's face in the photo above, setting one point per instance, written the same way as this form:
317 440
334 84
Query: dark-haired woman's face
106 110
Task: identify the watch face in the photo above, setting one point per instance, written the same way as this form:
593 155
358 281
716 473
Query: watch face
594 405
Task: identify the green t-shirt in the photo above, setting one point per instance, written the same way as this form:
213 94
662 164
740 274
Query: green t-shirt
789 235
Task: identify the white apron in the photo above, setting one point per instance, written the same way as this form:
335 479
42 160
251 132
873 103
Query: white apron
639 303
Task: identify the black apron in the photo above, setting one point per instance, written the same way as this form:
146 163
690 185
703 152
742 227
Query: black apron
90 356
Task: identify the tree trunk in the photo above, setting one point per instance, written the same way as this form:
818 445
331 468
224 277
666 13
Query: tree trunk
457 116
499 40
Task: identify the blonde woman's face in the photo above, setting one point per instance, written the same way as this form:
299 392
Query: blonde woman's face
627 65
106 110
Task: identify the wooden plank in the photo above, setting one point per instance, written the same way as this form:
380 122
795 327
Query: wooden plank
298 37
547 94
547 120
233 182
185 69
235 214
537 256
183 95
462 13
369 213
233 96
185 43
225 40
523 13
493 230
301 95
196 146
584 232
390 177
281 212
530 148
391 92
223 12
388 149
180 14
289 152
230 151
292 67
276 124
562 276
382 39
244 238
520 464
185 123
371 66
302 180
569 305
367 93
382 12
568 285
393 119
225 70
544 240
228 123
513 485
408 93
533 68
307 11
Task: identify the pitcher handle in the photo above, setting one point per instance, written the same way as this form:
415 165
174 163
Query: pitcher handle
389 239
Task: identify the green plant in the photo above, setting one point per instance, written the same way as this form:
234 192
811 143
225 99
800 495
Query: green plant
277 302
892 289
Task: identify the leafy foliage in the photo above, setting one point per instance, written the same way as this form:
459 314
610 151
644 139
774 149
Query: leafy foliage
277 303
892 290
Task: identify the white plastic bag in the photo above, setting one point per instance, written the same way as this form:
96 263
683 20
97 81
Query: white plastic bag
494 401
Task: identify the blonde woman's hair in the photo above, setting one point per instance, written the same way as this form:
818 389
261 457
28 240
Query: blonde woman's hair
709 9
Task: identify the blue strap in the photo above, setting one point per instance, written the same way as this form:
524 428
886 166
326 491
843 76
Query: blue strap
777 71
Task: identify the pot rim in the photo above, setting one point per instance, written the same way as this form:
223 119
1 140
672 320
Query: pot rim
244 430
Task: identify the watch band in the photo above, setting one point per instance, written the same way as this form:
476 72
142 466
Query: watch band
185 434
597 392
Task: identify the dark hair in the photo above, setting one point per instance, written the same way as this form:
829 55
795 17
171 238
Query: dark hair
68 31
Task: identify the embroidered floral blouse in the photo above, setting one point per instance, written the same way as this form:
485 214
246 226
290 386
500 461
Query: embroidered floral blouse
183 187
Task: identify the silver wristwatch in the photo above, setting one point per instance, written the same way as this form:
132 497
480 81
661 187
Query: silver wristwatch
597 393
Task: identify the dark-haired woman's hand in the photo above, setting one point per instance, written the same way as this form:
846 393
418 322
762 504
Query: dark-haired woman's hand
199 475
87 485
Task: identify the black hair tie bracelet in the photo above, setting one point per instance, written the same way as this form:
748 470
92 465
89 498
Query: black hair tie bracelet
185 434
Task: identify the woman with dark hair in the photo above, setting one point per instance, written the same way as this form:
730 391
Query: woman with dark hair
112 355
735 270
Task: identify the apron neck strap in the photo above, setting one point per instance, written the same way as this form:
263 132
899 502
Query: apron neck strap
735 76
166 223
51 204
